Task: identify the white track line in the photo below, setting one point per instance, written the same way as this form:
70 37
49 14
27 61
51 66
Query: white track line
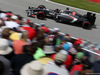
70 7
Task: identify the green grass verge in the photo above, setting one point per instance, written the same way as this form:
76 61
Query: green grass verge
83 4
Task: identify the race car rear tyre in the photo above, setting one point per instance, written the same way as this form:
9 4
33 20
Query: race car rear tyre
41 7
40 15
86 25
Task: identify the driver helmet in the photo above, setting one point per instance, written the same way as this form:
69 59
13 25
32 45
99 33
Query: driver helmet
61 10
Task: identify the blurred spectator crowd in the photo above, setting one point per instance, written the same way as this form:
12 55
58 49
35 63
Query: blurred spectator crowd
27 49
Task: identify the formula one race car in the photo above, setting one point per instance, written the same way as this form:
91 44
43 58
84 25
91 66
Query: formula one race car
68 16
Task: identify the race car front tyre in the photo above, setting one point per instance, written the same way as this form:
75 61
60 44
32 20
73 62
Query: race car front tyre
41 7
40 15
86 25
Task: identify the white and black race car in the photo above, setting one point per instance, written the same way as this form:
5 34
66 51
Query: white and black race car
67 16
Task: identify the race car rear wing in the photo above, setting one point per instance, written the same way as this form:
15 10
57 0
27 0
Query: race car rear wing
91 17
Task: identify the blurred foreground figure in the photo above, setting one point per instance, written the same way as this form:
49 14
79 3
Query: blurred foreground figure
33 68
57 67
5 66
21 59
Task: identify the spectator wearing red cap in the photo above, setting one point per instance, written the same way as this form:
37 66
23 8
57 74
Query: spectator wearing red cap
9 14
78 41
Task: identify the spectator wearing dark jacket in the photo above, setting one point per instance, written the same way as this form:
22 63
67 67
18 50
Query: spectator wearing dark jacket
21 59
96 66
5 66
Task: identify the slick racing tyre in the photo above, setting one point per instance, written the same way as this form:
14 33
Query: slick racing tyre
41 7
40 15
86 25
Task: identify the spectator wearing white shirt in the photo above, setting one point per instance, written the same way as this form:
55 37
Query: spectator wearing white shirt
11 23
